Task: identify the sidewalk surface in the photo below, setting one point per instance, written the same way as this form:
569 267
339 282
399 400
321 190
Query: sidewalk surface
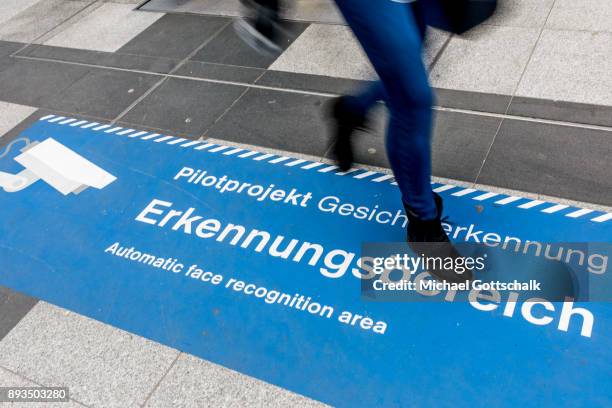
524 105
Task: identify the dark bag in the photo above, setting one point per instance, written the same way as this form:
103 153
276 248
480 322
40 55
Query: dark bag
455 16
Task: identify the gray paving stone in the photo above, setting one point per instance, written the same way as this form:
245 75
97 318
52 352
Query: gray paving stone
174 36
228 48
280 120
11 114
13 307
220 72
314 53
589 15
478 101
561 111
103 366
102 93
107 28
309 82
522 13
32 83
7 48
10 8
573 66
38 19
193 382
18 128
487 59
434 41
560 161
100 58
184 106
459 145
369 149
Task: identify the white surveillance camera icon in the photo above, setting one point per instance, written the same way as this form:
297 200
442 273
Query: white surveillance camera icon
59 166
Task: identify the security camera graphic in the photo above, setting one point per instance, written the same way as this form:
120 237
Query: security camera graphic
57 165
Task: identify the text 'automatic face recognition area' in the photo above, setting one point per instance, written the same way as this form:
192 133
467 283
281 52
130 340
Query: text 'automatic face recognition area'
248 246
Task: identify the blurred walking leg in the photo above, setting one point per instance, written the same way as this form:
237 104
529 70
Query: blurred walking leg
260 29
391 38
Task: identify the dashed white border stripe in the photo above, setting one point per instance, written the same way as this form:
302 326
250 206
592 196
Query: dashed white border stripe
603 217
382 178
279 160
464 192
177 140
579 213
264 157
163 139
137 134
247 154
312 165
357 173
192 143
349 171
113 130
485 196
555 208
531 204
205 146
219 148
443 188
365 174
327 169
233 151
295 162
508 200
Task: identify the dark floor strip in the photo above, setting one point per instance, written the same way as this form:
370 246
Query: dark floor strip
13 307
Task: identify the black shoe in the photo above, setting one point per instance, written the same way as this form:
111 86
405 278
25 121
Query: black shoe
428 238
260 31
345 124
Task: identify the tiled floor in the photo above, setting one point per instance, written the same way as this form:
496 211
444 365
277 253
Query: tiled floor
546 62
37 20
54 347
312 54
107 28
11 115
553 158
184 106
571 66
198 383
489 59
174 36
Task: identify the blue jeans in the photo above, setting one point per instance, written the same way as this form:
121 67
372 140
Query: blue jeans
391 36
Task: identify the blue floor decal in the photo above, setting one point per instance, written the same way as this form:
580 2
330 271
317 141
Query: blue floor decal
249 260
